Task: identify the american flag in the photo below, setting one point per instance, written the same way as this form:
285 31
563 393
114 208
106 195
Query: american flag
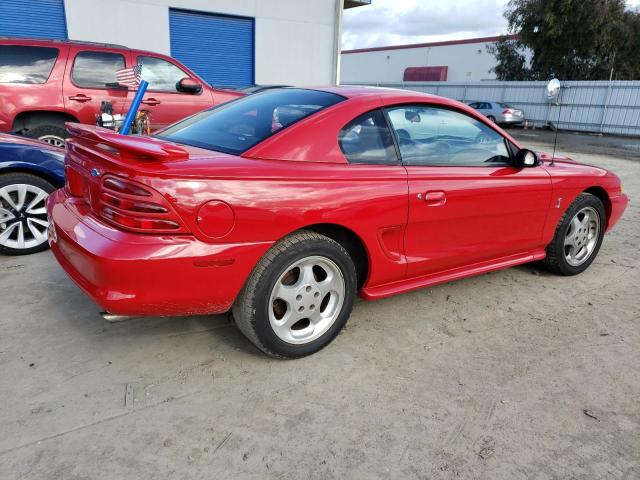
129 76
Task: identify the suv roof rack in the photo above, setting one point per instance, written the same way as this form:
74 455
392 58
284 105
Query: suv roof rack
71 42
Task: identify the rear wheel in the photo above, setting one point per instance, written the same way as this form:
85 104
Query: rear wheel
55 135
298 297
492 118
23 213
578 236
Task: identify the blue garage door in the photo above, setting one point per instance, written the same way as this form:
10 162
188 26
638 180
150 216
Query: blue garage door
33 18
218 48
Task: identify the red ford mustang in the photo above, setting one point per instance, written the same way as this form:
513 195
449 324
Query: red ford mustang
283 205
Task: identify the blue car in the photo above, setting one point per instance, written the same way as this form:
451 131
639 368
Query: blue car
29 171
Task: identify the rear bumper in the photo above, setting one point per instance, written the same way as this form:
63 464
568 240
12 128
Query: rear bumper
618 206
139 274
511 120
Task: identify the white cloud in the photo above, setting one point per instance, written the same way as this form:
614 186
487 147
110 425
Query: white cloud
390 22
396 22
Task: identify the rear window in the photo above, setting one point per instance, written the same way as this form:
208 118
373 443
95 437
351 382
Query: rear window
96 69
237 126
24 64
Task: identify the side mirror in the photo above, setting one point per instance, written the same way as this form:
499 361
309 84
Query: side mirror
188 85
526 159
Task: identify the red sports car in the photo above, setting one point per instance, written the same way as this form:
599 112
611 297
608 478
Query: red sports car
281 206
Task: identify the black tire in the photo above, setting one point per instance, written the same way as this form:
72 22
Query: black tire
492 118
251 308
48 133
556 261
9 179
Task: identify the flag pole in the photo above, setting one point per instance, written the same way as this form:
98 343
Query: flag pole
135 105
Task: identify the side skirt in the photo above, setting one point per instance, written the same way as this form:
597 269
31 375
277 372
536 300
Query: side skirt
415 283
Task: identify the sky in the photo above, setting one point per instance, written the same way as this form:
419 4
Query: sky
396 22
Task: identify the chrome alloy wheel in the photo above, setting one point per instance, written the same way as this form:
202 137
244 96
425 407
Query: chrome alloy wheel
306 299
581 237
23 216
54 140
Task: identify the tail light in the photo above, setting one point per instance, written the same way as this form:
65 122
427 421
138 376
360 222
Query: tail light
75 182
507 111
136 207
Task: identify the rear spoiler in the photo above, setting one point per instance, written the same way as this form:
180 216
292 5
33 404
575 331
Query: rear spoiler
141 147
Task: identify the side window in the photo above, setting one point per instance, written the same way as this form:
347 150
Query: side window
96 69
161 75
367 139
22 64
428 135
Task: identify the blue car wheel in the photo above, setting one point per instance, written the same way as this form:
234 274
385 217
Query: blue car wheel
23 213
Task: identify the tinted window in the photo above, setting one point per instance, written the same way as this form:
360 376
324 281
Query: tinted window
160 74
367 139
239 125
19 64
436 136
96 69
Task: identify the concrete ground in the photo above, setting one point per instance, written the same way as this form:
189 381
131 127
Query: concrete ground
516 374
576 142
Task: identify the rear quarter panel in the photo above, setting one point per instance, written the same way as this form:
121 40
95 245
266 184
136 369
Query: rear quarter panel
43 162
271 199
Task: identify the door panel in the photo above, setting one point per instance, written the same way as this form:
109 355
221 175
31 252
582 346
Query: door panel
467 203
464 215
166 105
86 83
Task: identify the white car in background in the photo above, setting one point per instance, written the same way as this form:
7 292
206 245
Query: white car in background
499 112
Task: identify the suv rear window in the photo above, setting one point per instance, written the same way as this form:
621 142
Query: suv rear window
24 64
237 126
96 69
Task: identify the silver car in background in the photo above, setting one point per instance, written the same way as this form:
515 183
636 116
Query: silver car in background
499 113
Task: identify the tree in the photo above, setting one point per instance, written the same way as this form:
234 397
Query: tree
512 63
569 39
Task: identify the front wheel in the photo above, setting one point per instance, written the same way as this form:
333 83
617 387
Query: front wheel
578 236
298 297
23 213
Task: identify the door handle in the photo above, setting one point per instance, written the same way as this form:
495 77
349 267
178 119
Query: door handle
435 198
151 101
80 98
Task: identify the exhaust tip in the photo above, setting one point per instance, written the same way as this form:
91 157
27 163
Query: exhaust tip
111 318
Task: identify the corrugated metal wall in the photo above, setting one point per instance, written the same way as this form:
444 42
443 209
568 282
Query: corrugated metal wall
33 18
603 107
219 48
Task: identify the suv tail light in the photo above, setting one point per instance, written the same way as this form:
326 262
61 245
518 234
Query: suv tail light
132 206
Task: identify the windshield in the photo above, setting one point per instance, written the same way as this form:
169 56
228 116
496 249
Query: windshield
237 126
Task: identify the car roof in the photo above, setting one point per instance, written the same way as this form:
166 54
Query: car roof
359 91
319 132
38 41
76 43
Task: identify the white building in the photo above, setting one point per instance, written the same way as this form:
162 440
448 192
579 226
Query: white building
458 61
227 42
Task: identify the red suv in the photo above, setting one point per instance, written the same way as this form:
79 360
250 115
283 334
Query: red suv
45 83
